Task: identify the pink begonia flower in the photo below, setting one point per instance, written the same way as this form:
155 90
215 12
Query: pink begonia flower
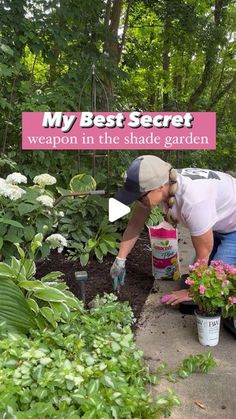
225 283
219 269
202 289
200 263
189 281
231 270
219 276
232 300
215 262
191 268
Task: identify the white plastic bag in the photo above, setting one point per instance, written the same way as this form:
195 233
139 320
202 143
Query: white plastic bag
164 243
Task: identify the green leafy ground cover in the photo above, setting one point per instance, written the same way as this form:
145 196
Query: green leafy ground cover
89 367
59 360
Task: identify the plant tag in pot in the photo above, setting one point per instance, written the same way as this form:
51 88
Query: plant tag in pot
208 329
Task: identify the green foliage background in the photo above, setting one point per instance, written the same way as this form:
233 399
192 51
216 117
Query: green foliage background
149 56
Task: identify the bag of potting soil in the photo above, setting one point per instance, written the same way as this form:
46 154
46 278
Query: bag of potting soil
164 244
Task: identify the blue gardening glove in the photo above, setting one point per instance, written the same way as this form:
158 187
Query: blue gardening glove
118 273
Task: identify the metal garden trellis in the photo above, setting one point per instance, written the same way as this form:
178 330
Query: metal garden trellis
92 80
82 276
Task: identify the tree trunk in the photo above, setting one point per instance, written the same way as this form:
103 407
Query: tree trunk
124 30
114 26
112 45
106 25
211 52
107 14
166 56
55 51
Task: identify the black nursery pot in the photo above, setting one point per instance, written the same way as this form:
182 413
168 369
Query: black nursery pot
229 326
203 314
187 307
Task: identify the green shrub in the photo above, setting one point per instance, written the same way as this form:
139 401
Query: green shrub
24 211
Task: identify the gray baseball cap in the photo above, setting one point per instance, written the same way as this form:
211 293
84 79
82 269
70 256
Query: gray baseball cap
145 174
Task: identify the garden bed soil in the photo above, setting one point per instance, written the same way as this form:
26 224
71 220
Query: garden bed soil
139 280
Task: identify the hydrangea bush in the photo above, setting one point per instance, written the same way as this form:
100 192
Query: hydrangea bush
29 209
25 210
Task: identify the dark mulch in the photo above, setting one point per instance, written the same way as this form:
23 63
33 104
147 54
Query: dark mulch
139 278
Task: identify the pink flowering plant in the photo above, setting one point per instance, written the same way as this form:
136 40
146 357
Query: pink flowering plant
213 287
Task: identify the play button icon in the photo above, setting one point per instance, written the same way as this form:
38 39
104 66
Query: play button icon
117 210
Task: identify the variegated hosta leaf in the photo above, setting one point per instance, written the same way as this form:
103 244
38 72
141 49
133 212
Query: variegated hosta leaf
33 305
52 276
48 314
82 183
6 271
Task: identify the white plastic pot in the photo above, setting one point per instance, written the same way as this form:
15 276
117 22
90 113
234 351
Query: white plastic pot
208 329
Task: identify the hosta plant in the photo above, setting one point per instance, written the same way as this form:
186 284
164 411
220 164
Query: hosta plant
104 240
27 302
85 222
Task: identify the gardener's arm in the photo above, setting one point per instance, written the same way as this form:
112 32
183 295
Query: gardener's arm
133 230
203 245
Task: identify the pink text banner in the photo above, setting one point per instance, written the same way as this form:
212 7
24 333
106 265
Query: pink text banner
118 131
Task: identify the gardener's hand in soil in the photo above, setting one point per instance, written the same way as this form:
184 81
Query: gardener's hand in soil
118 267
118 273
178 297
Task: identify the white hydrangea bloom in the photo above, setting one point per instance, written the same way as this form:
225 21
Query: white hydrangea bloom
44 180
57 241
14 192
16 178
45 200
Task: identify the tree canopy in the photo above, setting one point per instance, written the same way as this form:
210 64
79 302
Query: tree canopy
164 55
